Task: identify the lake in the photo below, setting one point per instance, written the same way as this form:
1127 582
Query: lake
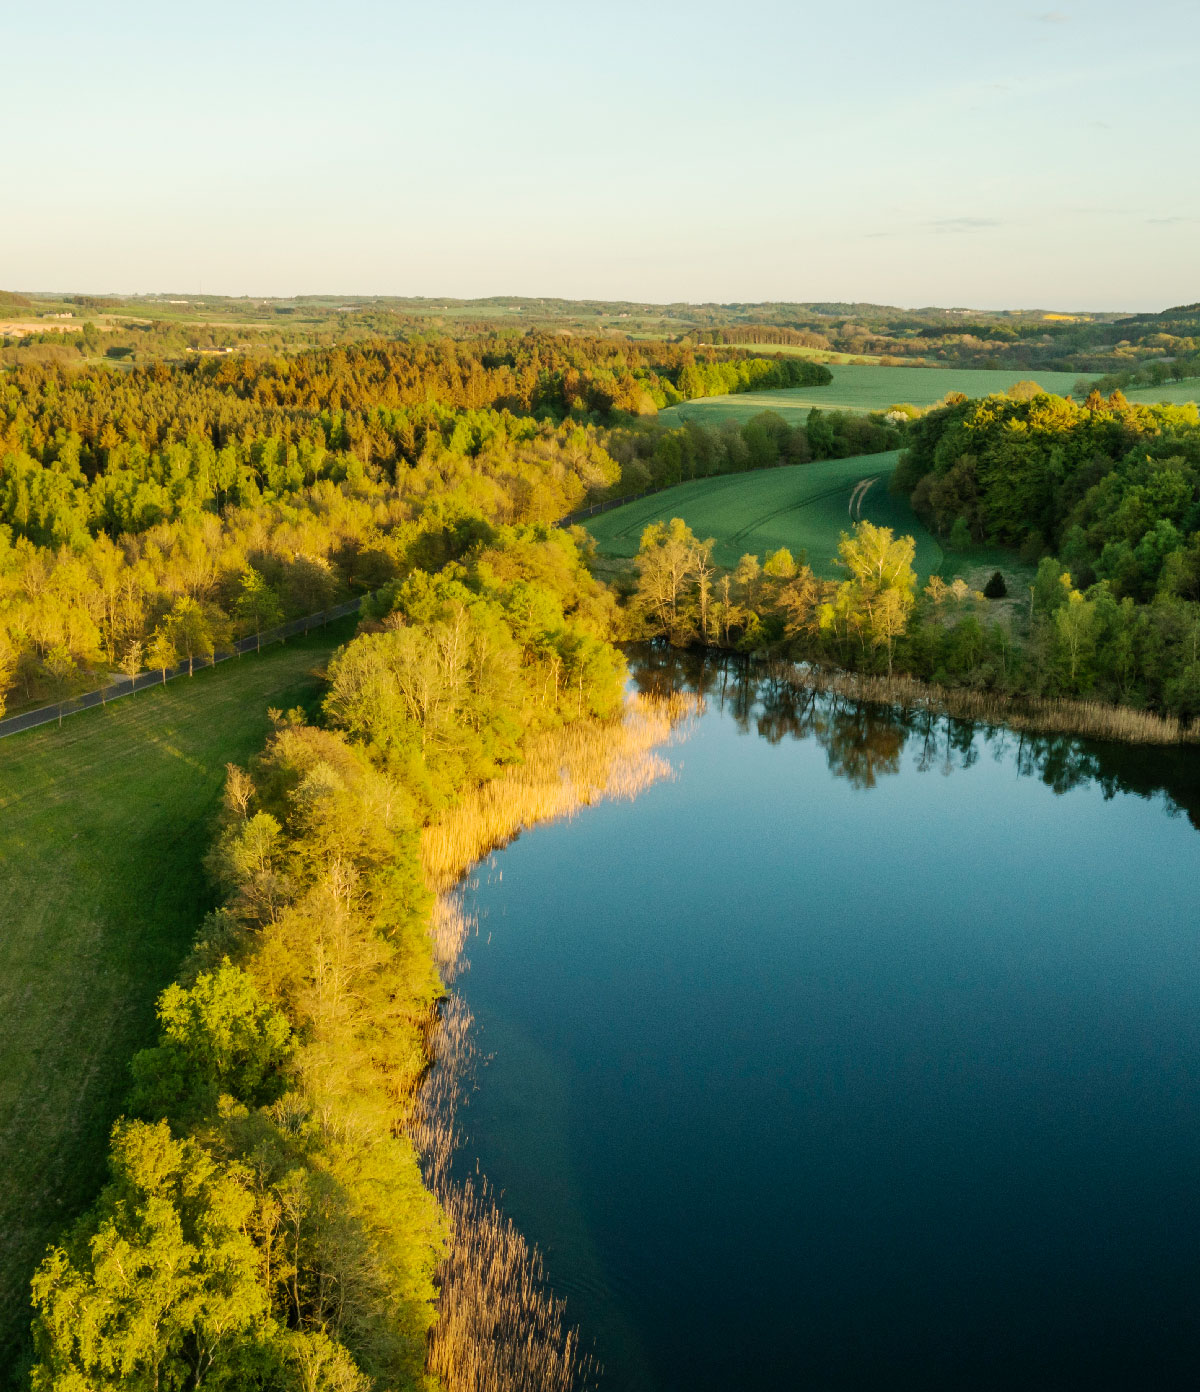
864 1053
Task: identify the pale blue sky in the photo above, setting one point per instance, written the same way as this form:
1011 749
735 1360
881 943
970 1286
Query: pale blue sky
931 152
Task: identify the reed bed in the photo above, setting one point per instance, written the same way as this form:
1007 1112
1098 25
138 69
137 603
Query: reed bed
433 1124
499 1327
449 927
563 771
1035 714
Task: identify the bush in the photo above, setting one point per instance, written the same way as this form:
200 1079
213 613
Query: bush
995 587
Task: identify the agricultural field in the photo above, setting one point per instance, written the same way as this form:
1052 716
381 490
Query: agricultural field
103 825
862 389
1177 392
799 350
804 507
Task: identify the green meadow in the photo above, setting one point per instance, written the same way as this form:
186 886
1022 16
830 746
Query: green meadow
804 507
799 350
1176 392
103 826
862 389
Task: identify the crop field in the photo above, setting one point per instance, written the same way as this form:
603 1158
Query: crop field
103 825
804 507
862 389
798 350
1178 392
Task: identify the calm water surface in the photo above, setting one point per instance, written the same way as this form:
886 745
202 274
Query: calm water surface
864 1054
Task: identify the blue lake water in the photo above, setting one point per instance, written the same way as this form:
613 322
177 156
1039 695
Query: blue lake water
863 1054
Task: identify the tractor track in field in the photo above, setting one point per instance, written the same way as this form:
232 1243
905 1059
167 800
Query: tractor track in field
779 512
858 490
742 532
725 480
858 497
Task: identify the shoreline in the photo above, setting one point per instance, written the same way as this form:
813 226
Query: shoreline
499 1326
1028 714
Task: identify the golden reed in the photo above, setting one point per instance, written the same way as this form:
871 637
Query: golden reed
564 771
1034 714
499 1328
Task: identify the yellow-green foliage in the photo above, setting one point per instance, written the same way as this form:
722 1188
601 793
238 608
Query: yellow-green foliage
103 825
266 1223
284 1070
472 660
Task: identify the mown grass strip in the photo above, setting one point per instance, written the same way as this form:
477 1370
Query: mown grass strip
103 826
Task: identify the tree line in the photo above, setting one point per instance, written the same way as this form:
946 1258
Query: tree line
366 401
1112 488
764 333
652 456
96 451
1156 373
1055 641
265 1224
681 595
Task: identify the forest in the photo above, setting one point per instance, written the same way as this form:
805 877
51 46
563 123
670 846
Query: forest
148 518
1141 349
1109 487
266 1222
100 451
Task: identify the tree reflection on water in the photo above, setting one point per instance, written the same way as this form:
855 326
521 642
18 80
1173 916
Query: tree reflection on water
865 742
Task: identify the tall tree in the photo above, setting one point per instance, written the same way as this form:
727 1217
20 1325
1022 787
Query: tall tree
257 606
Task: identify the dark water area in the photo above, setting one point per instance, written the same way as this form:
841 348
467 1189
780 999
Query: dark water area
863 1054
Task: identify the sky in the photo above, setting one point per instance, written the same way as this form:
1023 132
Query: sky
948 152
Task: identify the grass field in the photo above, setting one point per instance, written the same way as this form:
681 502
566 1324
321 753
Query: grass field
798 350
862 389
1178 392
804 507
103 824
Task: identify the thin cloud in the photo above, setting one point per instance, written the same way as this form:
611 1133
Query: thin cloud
964 224
1169 221
1051 17
949 224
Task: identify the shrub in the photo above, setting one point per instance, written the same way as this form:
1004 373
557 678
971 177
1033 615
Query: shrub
960 535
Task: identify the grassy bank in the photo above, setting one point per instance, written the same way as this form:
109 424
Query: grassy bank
863 389
103 824
804 507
